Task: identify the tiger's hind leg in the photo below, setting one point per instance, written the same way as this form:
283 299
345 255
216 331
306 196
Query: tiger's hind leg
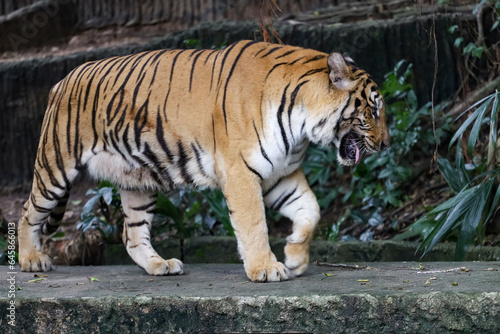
56 215
41 213
293 198
139 212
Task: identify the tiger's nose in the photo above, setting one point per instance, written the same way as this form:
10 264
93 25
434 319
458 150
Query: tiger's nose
383 145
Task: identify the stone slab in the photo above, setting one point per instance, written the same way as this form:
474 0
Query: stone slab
382 298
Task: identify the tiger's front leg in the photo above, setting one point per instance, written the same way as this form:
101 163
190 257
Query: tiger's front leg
139 208
293 198
246 208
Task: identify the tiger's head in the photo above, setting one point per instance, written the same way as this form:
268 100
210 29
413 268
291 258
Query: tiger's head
357 125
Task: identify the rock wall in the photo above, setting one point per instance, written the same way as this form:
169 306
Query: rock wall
29 23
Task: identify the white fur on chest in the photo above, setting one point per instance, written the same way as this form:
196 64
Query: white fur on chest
282 143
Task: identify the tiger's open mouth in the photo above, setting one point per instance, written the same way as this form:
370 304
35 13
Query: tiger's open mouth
350 147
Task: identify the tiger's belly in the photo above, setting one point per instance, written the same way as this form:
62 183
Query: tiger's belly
189 165
194 168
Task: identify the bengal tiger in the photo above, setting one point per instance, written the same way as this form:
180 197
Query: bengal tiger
239 119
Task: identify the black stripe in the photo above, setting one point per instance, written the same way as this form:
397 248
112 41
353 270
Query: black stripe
264 154
48 228
357 103
144 207
192 68
208 57
293 200
213 70
337 126
265 47
137 224
229 78
271 51
213 133
226 54
160 136
321 124
125 140
282 199
280 119
114 143
170 81
292 103
182 163
285 54
155 59
250 168
273 68
38 208
61 166
157 169
296 60
140 121
56 216
273 187
313 71
318 57
198 159
363 94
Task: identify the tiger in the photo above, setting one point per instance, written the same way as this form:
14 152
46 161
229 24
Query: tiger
239 119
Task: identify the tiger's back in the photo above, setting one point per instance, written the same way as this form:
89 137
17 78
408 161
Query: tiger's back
235 118
167 106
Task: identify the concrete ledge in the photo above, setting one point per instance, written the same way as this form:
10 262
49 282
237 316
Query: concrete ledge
384 298
224 250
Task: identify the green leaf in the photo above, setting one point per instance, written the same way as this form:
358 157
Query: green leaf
193 210
421 227
477 52
450 174
474 134
495 25
460 163
475 207
107 194
463 202
57 235
494 112
453 28
471 118
458 41
219 207
87 208
164 206
493 205
468 48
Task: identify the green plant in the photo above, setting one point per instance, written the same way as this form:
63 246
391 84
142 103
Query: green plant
191 213
185 214
103 212
463 216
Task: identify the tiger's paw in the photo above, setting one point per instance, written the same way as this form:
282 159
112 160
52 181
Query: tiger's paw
296 258
35 261
274 271
158 267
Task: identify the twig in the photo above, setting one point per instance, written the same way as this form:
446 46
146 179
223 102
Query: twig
434 86
476 95
443 271
339 265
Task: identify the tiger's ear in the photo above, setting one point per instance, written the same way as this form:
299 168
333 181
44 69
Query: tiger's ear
340 75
